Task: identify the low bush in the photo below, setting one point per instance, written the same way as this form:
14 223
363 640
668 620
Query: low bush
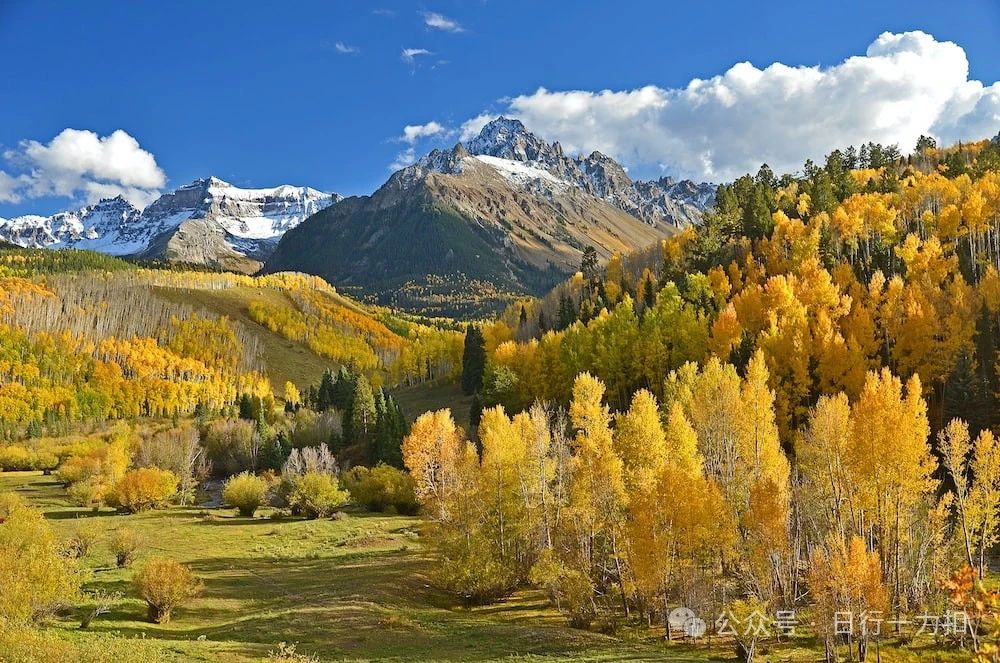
125 544
35 578
16 458
382 487
316 495
141 489
165 584
82 539
87 493
245 492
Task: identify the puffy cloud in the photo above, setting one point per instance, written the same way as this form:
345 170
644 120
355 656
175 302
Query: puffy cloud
346 49
9 188
410 55
79 163
439 22
716 129
413 132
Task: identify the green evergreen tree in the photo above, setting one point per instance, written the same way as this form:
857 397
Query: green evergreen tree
343 390
363 412
326 391
473 360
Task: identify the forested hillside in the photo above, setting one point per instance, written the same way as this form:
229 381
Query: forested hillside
870 260
89 338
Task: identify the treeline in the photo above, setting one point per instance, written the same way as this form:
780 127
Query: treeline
33 262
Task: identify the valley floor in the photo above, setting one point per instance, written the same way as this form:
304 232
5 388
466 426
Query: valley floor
355 589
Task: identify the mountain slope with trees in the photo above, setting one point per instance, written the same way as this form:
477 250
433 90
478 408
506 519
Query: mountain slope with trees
467 230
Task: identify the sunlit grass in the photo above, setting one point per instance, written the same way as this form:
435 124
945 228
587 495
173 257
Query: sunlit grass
357 588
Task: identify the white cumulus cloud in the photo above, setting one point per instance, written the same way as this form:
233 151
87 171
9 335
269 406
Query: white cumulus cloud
904 85
82 164
438 22
414 132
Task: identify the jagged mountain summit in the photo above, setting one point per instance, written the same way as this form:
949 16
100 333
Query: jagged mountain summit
463 231
664 200
208 222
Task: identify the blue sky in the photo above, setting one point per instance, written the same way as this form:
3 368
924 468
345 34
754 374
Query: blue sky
258 93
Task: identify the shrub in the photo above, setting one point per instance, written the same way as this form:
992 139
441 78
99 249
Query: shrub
141 489
10 503
245 492
382 487
46 461
82 539
16 459
316 495
86 493
165 584
36 578
570 590
125 544
285 653
310 459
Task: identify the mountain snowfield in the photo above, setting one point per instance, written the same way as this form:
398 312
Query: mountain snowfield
252 220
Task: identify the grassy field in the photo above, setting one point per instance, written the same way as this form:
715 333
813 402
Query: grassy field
352 589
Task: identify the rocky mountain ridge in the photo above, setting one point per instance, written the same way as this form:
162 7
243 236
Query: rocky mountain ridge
224 226
462 231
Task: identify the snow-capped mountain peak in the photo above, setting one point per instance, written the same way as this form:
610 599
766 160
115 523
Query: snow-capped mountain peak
510 142
252 219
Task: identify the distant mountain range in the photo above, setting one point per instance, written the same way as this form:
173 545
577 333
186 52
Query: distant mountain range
463 231
208 222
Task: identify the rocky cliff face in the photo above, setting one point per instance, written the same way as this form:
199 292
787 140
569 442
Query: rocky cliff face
238 227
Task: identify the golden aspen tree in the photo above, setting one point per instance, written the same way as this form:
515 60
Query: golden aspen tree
597 495
983 504
828 490
891 461
954 447
434 453
639 441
